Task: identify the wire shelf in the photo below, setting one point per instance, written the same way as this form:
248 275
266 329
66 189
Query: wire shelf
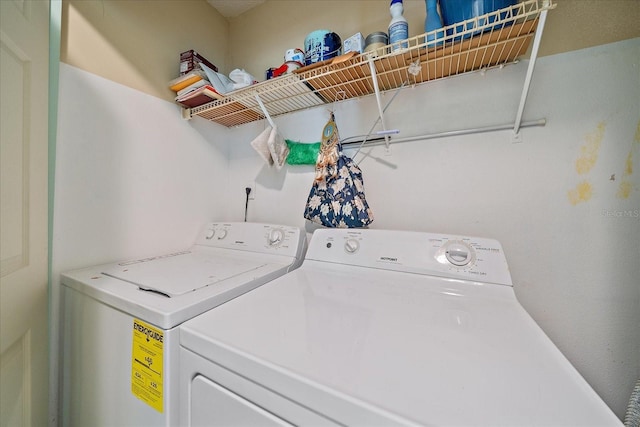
490 40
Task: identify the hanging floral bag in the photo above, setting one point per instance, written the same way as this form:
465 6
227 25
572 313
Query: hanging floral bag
337 198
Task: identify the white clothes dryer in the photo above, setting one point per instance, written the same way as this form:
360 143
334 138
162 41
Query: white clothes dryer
120 338
382 328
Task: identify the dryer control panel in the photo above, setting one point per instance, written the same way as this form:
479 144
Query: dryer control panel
254 237
458 257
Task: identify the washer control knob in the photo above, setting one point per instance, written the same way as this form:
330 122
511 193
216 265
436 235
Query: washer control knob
459 253
276 236
210 233
351 246
222 234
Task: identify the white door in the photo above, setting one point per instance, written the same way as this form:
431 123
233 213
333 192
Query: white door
24 59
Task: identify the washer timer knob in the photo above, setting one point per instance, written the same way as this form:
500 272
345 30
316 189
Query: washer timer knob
459 253
275 237
351 246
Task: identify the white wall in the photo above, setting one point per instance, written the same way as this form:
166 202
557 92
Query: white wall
132 178
574 264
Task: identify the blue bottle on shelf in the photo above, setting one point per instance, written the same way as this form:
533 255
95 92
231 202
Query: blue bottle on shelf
432 22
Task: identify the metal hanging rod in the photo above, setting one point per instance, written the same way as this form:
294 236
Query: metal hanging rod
380 140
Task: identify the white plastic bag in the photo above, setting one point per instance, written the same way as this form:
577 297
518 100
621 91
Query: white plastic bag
241 78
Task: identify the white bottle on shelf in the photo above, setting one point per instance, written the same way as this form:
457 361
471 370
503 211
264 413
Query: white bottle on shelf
398 27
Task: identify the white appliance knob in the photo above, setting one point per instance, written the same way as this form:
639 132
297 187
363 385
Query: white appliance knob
351 245
275 237
458 253
222 234
210 234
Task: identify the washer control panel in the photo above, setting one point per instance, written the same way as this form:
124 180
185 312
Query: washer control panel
254 237
276 237
458 257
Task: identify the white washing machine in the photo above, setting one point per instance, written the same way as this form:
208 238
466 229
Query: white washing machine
382 328
120 337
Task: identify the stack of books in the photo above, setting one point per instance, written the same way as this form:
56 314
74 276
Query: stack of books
193 89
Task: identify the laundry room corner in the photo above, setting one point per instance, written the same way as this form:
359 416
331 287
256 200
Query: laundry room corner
137 176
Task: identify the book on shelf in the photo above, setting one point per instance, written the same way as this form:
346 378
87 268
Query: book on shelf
199 96
182 82
191 59
193 86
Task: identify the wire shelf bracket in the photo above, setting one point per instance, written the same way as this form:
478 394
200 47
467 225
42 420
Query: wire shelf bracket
527 80
374 79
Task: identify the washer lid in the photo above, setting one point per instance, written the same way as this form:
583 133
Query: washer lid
182 272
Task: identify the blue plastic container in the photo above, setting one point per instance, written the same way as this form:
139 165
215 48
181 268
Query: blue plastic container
432 22
320 45
454 11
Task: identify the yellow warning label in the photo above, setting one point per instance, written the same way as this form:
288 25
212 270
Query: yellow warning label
146 364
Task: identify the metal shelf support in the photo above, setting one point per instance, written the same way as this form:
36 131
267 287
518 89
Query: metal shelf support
265 112
532 64
374 78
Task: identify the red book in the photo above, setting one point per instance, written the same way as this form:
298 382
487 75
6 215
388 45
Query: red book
199 96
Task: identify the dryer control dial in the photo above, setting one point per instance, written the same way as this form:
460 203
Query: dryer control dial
351 246
222 234
276 236
459 253
210 233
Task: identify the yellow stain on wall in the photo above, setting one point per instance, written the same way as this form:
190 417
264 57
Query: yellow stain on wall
589 151
581 193
624 191
628 166
626 187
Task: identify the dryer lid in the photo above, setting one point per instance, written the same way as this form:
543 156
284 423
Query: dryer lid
179 273
410 348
